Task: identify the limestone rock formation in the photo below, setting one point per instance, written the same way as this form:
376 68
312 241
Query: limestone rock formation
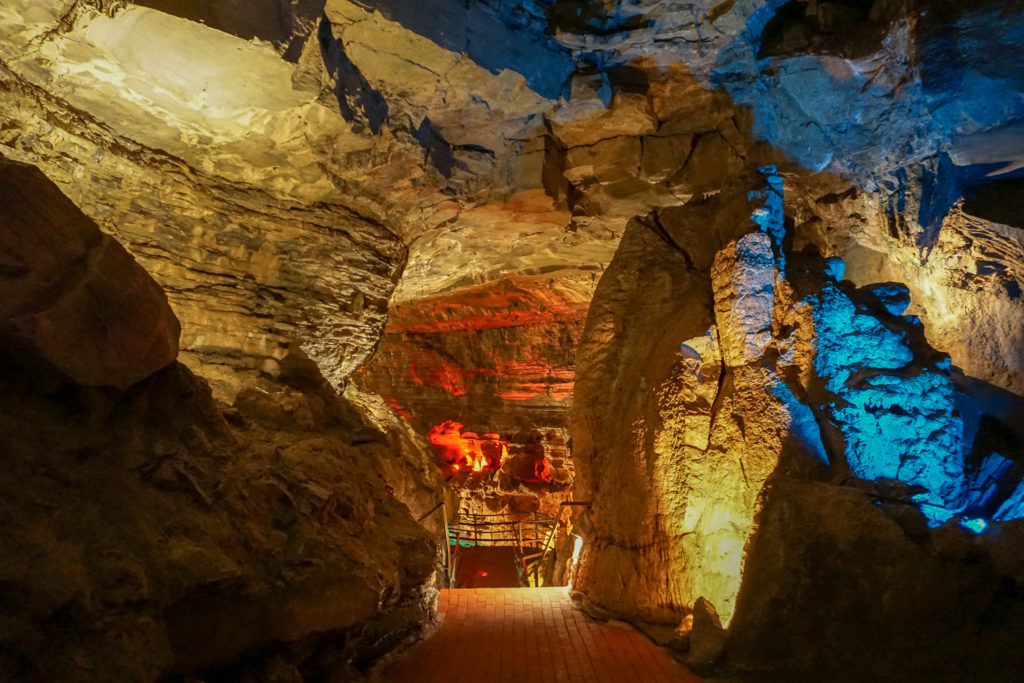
666 524
150 532
743 279
800 385
553 222
918 606
499 355
250 243
71 295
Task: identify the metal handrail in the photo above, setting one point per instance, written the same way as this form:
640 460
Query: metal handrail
533 538
554 532
449 571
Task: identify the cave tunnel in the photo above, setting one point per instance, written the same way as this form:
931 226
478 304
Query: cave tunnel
562 340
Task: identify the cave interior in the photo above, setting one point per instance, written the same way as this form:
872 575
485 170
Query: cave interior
707 313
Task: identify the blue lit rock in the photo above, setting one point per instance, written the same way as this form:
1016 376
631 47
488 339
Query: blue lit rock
835 268
893 406
1012 507
894 296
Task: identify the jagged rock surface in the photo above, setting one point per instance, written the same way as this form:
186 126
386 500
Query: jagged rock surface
916 607
499 355
292 168
146 536
800 383
151 533
666 524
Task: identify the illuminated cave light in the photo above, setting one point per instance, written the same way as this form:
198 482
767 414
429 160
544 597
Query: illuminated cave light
461 449
467 452
898 420
975 525
577 550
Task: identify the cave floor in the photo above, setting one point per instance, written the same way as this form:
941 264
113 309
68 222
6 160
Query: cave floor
487 567
490 635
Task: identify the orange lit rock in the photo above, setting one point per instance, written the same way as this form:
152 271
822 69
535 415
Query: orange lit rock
461 450
502 348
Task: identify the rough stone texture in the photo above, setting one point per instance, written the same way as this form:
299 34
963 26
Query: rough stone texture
242 269
146 535
407 118
151 532
886 391
73 296
936 607
964 289
455 158
743 280
503 349
668 521
817 384
410 470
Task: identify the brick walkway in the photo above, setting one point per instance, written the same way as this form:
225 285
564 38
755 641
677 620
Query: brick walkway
530 635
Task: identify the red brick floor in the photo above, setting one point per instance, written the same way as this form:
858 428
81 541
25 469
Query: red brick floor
530 635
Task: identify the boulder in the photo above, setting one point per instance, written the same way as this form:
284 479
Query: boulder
707 638
71 295
174 544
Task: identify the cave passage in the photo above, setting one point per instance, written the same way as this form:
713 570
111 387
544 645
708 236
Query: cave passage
328 327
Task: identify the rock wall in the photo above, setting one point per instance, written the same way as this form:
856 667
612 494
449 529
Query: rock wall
72 296
242 268
153 533
771 381
648 376
294 173
498 356
840 587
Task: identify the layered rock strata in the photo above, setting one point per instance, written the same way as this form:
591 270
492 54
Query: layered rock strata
72 296
152 533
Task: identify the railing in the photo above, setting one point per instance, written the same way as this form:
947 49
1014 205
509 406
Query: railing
448 571
526 535
548 544
533 538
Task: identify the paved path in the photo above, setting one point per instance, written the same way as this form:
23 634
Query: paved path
530 635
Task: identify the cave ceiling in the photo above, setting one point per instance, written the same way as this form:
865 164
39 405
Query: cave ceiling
288 170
